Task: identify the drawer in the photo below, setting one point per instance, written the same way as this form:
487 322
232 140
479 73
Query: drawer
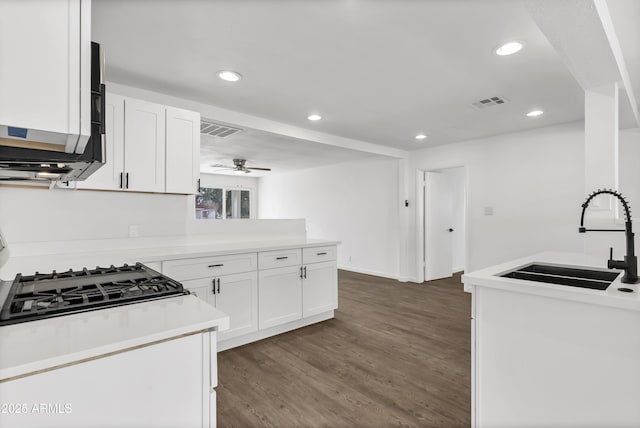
319 254
205 267
280 258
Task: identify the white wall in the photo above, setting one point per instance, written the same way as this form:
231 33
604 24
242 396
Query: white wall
39 214
354 202
456 179
533 180
630 169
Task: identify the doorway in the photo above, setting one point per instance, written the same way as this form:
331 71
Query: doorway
442 223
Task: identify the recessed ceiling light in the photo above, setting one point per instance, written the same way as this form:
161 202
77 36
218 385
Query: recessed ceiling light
509 48
314 117
229 76
420 137
535 113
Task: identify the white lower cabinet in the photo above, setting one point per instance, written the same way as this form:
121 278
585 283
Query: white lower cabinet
161 385
263 293
280 296
319 288
236 295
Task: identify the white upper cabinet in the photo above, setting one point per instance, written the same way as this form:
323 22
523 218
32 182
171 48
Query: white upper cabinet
149 148
144 146
109 175
45 71
183 150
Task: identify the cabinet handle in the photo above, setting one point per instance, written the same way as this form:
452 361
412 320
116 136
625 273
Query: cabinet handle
218 265
213 290
218 285
122 180
321 254
305 272
199 188
301 273
126 180
282 258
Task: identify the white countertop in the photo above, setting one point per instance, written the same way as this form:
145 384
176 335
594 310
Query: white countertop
45 344
490 277
40 345
27 258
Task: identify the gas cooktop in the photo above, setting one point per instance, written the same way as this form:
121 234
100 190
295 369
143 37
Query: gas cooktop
44 295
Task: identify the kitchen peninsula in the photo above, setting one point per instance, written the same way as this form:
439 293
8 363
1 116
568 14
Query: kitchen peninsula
545 354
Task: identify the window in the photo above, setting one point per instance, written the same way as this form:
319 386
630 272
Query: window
220 203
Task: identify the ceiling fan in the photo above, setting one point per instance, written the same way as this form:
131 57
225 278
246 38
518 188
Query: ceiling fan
239 167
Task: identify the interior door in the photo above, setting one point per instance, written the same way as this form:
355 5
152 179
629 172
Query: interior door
438 213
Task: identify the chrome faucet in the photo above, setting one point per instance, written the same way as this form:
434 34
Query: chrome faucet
630 262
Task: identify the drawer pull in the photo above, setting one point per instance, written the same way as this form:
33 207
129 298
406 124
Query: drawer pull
218 265
282 258
321 254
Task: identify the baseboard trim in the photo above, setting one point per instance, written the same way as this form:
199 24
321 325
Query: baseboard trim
223 345
408 279
380 274
368 272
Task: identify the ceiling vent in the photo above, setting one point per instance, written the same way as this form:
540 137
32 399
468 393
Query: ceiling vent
208 127
489 102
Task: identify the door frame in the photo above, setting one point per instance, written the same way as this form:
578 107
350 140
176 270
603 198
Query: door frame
420 217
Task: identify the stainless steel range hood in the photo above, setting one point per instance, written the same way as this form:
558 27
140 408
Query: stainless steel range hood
33 155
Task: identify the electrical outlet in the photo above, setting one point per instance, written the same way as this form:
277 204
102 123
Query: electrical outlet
134 232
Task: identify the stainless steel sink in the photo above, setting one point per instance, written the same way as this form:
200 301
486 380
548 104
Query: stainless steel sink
573 277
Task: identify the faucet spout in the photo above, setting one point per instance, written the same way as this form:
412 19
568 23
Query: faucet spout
630 262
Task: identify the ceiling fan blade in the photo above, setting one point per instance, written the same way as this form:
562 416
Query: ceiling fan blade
217 165
258 169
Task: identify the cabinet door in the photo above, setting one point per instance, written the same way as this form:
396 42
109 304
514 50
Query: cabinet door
280 296
109 176
320 288
144 145
183 150
237 297
202 289
44 71
152 386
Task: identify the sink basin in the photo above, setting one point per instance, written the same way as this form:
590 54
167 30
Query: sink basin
573 277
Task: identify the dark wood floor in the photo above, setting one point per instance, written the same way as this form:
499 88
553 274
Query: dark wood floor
396 354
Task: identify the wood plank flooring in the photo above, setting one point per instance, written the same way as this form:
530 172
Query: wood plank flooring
396 354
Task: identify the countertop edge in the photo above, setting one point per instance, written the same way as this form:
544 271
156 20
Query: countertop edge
80 357
488 277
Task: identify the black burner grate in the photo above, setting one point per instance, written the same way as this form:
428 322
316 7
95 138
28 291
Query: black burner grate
57 293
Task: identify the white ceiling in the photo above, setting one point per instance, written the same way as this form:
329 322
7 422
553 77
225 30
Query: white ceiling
378 71
267 150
